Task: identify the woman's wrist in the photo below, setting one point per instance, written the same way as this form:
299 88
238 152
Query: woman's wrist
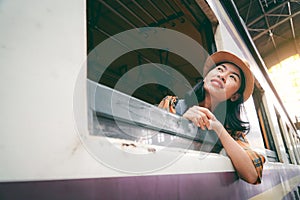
218 128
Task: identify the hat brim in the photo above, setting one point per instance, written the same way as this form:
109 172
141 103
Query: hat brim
225 56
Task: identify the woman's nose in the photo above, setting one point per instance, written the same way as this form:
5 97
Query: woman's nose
222 77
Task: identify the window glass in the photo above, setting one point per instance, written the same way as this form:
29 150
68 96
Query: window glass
108 18
284 136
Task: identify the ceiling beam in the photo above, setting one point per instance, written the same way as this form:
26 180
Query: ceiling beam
145 11
277 15
268 27
275 25
117 13
132 13
292 29
269 12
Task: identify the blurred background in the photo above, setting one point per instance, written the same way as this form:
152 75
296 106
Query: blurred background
274 26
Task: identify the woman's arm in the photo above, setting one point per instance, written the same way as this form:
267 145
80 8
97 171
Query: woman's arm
203 118
239 158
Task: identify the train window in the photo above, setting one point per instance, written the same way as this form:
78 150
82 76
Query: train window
285 138
258 96
297 148
297 123
106 19
294 139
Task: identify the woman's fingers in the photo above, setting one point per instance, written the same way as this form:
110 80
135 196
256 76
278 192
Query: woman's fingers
199 116
209 125
202 121
203 116
206 111
198 121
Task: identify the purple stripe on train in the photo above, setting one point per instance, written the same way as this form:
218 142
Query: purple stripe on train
224 185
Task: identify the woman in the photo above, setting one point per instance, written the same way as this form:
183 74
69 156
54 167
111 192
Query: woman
227 80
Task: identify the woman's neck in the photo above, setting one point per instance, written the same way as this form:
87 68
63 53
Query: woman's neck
209 103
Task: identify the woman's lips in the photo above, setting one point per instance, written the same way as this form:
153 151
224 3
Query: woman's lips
218 82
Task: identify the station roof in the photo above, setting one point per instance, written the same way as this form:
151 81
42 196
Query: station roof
274 26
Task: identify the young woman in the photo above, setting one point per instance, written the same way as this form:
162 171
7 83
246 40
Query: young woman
227 81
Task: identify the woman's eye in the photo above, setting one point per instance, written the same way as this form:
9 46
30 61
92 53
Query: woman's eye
220 69
233 77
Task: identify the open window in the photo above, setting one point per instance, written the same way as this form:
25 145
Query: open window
107 20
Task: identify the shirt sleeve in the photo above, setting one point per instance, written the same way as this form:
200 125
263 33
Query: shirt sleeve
257 159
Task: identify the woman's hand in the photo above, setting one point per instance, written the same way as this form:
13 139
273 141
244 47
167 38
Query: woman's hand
203 118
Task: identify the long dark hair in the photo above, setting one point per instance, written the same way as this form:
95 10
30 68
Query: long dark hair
232 119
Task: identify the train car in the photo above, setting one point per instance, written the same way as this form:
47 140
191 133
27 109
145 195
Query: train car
80 84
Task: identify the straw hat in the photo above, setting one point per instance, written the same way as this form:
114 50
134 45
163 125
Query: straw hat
223 57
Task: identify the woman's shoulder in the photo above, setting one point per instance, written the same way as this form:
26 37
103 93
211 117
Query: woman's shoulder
238 135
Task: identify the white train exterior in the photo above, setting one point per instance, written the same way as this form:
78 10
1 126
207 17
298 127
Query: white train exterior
48 149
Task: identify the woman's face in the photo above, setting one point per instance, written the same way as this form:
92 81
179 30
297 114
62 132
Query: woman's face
223 82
